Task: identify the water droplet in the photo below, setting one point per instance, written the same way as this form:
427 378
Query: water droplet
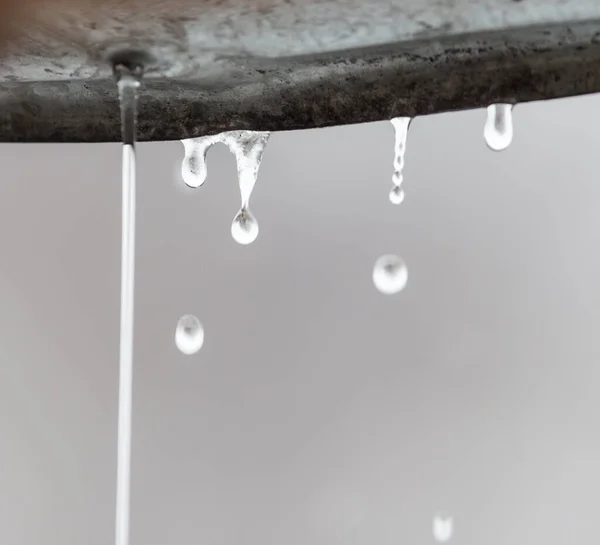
401 125
443 528
193 166
244 228
396 195
248 148
189 335
390 274
498 130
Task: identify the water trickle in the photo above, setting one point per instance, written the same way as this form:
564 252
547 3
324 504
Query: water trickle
498 130
189 334
248 148
128 81
390 274
443 528
401 125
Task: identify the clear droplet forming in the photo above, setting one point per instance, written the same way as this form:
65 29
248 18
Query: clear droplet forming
390 274
193 166
128 81
244 227
189 334
248 148
401 125
498 130
443 528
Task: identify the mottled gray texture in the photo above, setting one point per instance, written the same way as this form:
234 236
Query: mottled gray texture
318 412
281 65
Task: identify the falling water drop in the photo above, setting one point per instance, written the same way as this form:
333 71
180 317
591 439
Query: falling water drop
248 148
498 130
193 166
443 528
390 274
189 334
128 78
401 125
244 228
396 195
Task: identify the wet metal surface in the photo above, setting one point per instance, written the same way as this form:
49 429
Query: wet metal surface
276 65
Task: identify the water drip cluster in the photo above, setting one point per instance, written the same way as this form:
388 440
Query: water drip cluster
390 274
248 148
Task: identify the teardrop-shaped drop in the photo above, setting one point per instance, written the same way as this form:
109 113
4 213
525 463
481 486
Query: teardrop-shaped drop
498 130
244 228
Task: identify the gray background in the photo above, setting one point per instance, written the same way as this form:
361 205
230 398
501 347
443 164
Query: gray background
319 411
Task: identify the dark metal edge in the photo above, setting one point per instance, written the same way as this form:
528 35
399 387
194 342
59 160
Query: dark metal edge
356 86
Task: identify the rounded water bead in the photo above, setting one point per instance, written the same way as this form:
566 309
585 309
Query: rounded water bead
390 274
498 130
189 334
193 169
396 195
244 228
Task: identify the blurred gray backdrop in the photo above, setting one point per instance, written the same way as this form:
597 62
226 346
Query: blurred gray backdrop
319 412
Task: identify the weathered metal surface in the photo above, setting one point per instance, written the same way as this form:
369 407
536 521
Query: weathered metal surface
278 65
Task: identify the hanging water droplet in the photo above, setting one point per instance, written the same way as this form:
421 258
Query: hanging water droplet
390 274
401 125
244 228
248 148
189 335
193 166
498 130
443 528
